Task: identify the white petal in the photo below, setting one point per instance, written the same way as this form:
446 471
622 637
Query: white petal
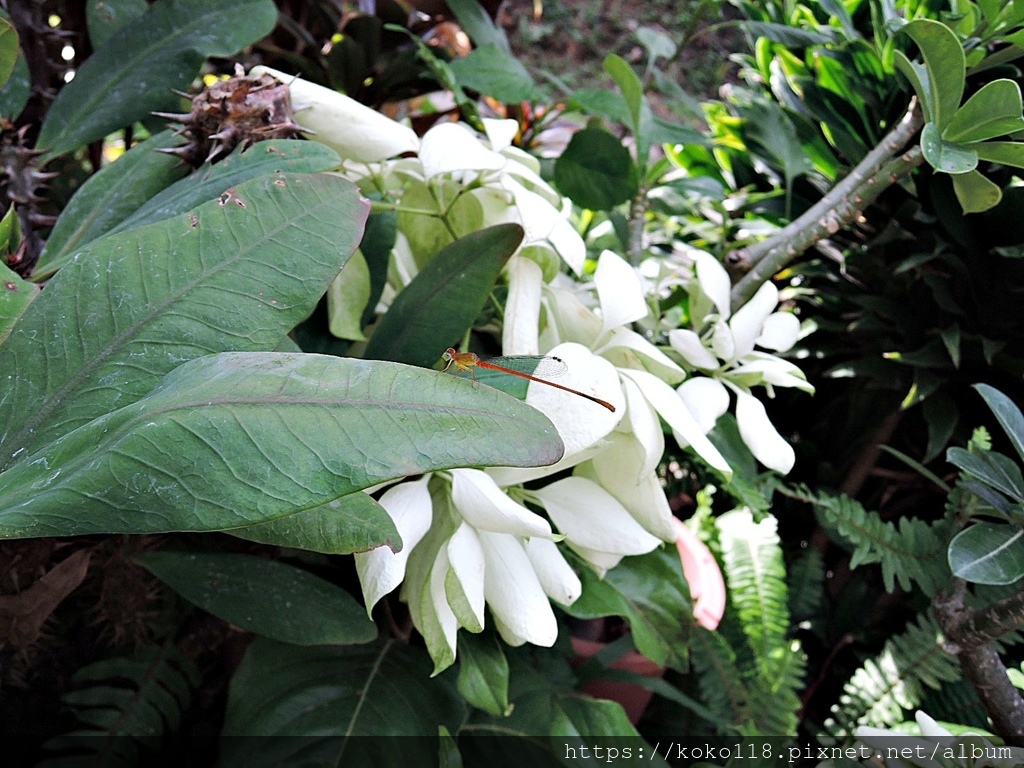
706 398
748 322
601 562
667 403
714 281
644 426
580 422
929 728
522 307
486 507
572 318
780 332
381 570
464 585
557 577
760 435
620 291
616 469
521 610
723 345
506 476
570 246
592 518
500 132
628 349
688 344
353 130
450 147
527 168
447 624
772 370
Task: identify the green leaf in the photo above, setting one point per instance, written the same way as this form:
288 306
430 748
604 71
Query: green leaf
8 50
139 303
944 65
240 438
1003 152
379 239
10 234
15 296
321 697
991 468
658 44
631 87
268 597
601 102
944 155
988 553
353 523
494 72
444 299
133 73
347 299
483 673
209 181
975 192
105 17
15 92
1007 414
791 37
660 618
108 197
995 110
595 171
474 19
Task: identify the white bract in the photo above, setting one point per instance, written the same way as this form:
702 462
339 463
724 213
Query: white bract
471 541
723 346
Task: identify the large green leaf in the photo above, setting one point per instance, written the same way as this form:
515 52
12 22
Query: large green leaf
240 438
988 553
15 296
268 597
975 192
495 72
108 197
134 72
659 619
105 17
8 50
993 469
946 156
483 672
443 300
208 181
353 523
1007 413
942 86
995 110
328 695
478 24
595 171
1002 152
238 273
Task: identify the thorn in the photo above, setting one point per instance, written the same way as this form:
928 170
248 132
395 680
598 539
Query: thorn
175 116
183 95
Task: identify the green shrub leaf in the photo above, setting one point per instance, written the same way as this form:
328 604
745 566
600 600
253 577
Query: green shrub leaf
595 171
988 553
240 438
268 597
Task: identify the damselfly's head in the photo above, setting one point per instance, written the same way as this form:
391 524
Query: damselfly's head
448 357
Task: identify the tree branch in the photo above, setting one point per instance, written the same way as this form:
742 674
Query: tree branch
880 169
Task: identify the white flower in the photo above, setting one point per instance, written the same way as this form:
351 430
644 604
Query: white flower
353 130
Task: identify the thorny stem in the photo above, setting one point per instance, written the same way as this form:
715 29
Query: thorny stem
882 167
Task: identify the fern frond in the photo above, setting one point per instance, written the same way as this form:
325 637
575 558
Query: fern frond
894 681
126 704
956 702
775 701
756 576
913 551
719 676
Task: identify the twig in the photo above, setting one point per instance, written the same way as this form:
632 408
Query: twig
880 169
970 635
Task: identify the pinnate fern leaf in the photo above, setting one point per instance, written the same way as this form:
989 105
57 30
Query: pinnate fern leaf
912 551
124 704
885 687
